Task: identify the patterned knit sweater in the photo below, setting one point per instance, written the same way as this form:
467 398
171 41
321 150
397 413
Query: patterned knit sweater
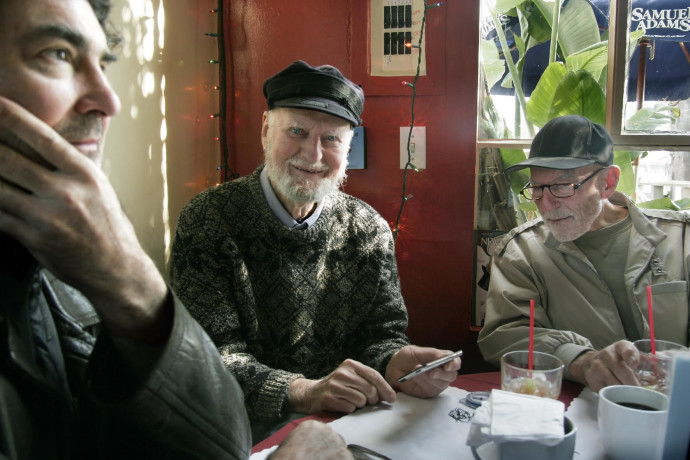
282 303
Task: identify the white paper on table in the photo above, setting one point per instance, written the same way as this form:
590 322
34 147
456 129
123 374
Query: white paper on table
412 427
263 454
583 413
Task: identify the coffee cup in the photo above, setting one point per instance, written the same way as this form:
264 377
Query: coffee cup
532 449
632 422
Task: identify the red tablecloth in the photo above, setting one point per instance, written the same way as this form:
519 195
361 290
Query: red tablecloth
471 382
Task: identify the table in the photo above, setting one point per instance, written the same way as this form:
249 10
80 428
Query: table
485 381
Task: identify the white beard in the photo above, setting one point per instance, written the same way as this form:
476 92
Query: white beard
299 190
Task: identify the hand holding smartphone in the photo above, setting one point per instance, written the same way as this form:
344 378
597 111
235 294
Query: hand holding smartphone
429 366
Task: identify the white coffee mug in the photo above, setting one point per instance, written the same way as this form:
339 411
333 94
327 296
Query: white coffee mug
632 422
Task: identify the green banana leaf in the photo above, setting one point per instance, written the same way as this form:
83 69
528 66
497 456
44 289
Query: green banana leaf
626 183
593 59
577 27
492 64
576 86
660 203
541 100
504 6
647 119
579 93
519 178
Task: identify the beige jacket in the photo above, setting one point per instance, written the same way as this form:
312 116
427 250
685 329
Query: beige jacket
574 309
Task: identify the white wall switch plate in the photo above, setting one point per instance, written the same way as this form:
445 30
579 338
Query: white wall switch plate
417 146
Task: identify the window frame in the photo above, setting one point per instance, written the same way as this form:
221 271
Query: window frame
616 84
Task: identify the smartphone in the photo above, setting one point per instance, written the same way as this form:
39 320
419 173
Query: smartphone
429 366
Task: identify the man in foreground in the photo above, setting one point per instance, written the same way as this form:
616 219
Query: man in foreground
295 281
586 262
98 359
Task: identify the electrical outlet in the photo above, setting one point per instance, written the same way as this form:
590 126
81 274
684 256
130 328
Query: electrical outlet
417 143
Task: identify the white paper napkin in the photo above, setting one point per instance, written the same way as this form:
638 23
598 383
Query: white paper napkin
507 416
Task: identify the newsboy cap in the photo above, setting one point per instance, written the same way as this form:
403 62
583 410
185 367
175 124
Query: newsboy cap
321 88
569 142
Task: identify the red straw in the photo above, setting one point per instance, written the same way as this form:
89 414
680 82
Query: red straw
651 319
531 333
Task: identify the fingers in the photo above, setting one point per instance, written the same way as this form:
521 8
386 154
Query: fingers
614 365
35 140
30 186
314 440
372 382
19 177
359 385
428 384
10 139
350 386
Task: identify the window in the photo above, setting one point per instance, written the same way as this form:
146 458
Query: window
621 63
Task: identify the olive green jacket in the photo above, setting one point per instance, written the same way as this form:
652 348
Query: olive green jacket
575 310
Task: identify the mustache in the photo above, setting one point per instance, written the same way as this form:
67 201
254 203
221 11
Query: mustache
302 164
89 126
555 215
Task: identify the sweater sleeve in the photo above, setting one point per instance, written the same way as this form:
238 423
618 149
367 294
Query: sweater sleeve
383 331
211 278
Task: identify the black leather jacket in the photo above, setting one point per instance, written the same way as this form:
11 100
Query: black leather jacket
83 403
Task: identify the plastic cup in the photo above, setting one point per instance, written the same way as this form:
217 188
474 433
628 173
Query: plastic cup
656 371
544 379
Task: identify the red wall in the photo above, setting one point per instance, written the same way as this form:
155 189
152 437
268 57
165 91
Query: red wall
434 246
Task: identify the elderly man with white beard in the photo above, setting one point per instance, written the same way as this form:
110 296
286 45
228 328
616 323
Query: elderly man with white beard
586 262
294 280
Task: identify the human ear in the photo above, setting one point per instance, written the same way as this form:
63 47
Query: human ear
610 180
264 130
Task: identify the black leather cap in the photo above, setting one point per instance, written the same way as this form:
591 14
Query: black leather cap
569 142
321 88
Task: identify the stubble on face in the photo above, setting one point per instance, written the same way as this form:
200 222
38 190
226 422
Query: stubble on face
85 126
39 80
570 224
575 215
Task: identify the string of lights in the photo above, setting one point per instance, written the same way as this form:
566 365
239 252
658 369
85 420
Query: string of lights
409 165
226 172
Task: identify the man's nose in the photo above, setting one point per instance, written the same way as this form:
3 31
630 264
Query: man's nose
312 149
548 201
97 94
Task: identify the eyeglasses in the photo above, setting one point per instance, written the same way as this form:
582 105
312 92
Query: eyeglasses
536 192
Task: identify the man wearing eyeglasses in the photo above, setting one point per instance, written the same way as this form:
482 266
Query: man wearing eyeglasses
586 262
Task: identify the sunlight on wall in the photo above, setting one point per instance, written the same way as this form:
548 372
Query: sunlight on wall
161 149
142 187
164 167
